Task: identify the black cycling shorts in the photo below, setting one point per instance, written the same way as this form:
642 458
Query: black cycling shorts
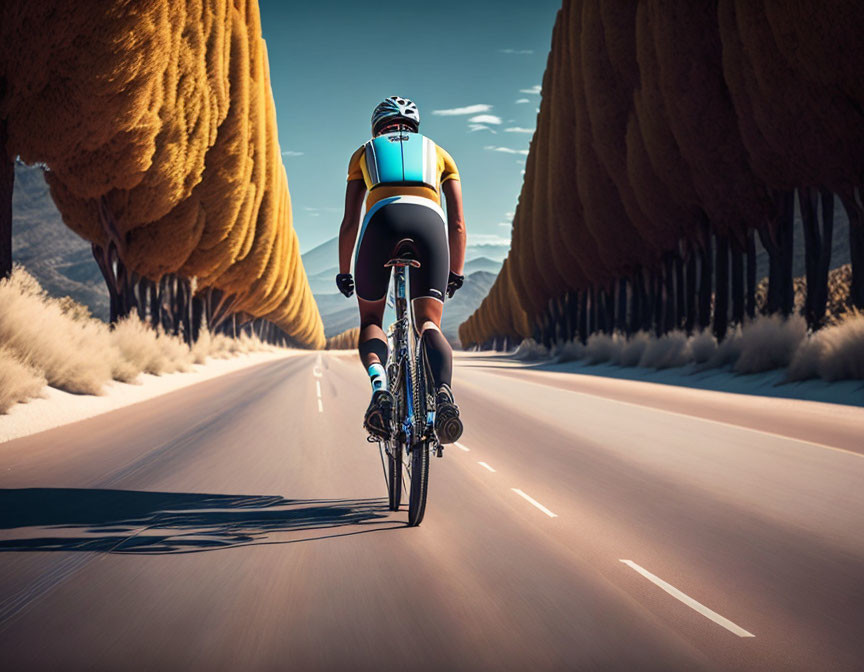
397 222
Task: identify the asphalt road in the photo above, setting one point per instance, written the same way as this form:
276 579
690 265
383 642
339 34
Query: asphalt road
583 524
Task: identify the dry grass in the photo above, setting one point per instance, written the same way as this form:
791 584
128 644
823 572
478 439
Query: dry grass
530 350
666 352
769 342
347 340
18 381
833 353
57 342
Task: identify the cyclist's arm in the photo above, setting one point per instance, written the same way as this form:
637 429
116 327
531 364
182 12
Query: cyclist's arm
354 193
455 224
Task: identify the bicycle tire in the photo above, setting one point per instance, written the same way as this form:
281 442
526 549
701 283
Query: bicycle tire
394 475
419 483
420 450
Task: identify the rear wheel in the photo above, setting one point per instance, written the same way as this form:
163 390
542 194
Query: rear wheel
420 450
419 483
394 474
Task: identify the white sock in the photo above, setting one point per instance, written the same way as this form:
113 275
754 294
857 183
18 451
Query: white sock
378 377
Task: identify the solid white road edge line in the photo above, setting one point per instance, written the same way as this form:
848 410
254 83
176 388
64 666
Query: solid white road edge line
460 446
320 406
318 387
486 466
689 601
534 502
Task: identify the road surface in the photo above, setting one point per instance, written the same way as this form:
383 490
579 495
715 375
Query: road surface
581 523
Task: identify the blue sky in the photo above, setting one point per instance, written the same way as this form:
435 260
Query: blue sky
332 62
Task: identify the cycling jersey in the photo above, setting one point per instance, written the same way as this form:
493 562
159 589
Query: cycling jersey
401 164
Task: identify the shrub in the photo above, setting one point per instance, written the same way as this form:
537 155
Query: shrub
632 351
70 354
602 348
769 342
531 350
571 351
668 351
18 382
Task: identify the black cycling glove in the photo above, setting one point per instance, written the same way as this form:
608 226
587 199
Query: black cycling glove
345 283
454 282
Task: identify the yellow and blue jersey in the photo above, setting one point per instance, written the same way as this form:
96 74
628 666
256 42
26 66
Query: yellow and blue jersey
402 164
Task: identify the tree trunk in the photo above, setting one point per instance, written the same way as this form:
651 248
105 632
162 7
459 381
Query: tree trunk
690 291
680 302
785 247
583 316
669 307
706 274
7 184
737 284
621 310
817 251
197 314
156 290
853 203
751 274
657 301
635 318
721 288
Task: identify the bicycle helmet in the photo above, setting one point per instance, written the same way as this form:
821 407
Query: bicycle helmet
395 108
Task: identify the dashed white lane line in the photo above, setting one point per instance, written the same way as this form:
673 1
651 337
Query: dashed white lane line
318 387
320 406
460 446
689 601
486 466
534 502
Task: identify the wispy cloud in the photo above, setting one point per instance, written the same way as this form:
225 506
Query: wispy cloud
509 215
516 51
507 224
506 150
291 152
473 128
487 239
518 129
485 119
522 101
457 111
534 90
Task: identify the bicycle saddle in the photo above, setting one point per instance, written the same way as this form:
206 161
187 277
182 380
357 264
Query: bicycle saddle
403 255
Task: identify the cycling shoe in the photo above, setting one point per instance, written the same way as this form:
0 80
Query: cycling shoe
448 425
379 415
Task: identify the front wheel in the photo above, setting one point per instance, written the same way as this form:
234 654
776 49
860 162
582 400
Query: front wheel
419 483
394 475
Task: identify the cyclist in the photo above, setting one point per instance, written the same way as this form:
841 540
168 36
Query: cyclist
404 174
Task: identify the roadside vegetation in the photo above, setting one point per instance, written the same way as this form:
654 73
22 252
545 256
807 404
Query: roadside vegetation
51 341
680 149
347 340
835 352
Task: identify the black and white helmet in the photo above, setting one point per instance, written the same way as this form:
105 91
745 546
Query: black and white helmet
395 108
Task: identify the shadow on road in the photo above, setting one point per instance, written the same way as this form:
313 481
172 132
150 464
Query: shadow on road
129 521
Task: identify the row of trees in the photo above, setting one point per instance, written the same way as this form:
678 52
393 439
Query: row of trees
156 122
670 134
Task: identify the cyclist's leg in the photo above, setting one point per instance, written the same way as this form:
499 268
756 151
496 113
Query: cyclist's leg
427 316
372 279
428 285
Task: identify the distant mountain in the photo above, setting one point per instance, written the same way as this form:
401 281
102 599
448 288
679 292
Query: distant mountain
58 258
482 264
464 302
322 265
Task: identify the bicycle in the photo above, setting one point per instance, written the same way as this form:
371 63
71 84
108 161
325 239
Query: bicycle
413 436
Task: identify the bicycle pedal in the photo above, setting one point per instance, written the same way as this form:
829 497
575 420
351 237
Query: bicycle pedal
439 450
